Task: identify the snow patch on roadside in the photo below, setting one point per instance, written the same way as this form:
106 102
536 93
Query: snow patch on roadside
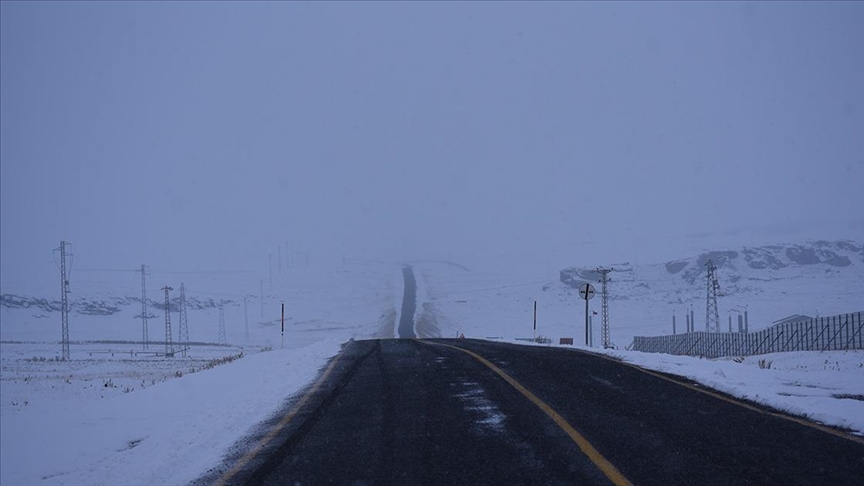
166 434
826 387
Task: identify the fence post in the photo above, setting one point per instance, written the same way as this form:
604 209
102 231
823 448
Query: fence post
837 330
791 337
693 346
767 333
859 333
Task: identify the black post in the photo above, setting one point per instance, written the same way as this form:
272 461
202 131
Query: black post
586 317
535 315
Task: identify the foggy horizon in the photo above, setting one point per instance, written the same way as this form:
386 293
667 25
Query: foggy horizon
193 136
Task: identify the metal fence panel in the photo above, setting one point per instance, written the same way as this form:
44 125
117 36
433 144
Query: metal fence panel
845 331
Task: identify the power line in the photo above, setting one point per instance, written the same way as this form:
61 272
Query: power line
169 345
222 339
64 291
712 314
184 326
604 329
145 340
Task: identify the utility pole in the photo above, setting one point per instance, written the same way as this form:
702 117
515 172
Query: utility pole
246 318
145 339
184 325
604 279
712 315
64 298
535 321
169 345
222 339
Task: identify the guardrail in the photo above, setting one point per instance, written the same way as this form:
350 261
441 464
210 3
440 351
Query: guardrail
840 332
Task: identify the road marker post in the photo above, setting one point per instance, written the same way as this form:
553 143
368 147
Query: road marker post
535 321
586 291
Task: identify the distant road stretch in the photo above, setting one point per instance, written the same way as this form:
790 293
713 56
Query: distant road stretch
406 412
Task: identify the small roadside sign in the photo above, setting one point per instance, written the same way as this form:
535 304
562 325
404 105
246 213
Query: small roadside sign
586 291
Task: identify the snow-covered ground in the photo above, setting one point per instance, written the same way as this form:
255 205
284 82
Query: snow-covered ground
117 415
825 387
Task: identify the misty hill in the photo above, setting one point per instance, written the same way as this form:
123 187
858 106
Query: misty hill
775 281
771 282
105 306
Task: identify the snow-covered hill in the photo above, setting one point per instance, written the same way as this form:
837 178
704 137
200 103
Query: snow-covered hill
770 282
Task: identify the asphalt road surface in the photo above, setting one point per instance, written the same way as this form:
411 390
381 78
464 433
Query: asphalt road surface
424 412
409 304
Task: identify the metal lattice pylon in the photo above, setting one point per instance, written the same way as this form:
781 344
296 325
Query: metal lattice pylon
64 300
604 279
145 339
169 345
712 314
183 336
222 339
246 318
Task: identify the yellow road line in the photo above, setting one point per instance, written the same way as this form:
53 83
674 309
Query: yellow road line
733 401
275 430
601 462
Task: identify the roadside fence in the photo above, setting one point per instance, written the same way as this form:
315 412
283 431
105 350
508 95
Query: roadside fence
840 332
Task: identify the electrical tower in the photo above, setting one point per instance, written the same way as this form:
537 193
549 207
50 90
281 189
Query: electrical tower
145 339
246 318
712 314
169 345
183 336
222 339
604 279
64 297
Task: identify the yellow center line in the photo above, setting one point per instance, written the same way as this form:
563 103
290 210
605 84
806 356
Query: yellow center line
276 429
601 462
733 401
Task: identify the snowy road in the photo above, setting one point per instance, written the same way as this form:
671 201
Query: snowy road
425 412
409 304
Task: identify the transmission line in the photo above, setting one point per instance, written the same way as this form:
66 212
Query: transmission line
64 297
169 345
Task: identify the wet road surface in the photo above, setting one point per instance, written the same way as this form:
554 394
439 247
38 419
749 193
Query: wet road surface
424 412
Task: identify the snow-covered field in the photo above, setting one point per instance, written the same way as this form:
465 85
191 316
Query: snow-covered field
115 415
825 387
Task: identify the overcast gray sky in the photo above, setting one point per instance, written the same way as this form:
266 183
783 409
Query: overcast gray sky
203 135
